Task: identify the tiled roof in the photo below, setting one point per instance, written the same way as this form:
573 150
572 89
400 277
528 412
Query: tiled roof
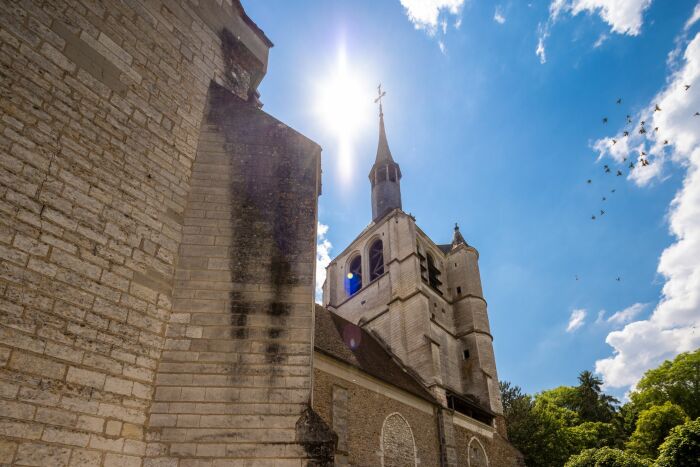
340 339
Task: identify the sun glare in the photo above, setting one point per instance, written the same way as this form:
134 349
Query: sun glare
344 105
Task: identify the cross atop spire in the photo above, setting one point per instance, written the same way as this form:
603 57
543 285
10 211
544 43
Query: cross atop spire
380 94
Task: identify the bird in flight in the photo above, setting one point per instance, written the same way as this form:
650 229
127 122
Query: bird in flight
642 153
619 100
614 141
629 119
606 168
588 181
576 276
665 141
642 130
657 108
618 279
631 165
612 191
592 218
605 119
656 128
618 174
602 212
697 114
687 86
644 162
626 133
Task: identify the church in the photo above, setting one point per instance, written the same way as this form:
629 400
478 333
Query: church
157 263
404 369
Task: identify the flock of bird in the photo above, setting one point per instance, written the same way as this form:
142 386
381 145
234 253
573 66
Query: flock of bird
642 160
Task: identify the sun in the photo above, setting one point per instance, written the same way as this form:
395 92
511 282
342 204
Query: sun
344 106
344 100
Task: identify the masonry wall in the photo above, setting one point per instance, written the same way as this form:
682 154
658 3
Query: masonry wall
499 451
360 434
235 375
101 104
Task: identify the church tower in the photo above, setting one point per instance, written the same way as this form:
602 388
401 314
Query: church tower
423 300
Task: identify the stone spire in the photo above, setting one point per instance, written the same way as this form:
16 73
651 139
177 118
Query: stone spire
457 238
383 151
385 175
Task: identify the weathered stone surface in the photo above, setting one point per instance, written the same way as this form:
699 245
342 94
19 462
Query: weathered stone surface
103 105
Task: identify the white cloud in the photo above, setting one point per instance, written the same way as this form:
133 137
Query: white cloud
323 258
576 320
600 41
693 18
628 314
424 14
442 47
542 35
601 317
498 15
623 17
671 328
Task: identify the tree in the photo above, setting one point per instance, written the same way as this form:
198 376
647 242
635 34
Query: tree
538 432
606 457
682 446
677 381
590 402
653 425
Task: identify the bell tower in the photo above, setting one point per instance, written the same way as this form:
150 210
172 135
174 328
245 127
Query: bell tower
385 175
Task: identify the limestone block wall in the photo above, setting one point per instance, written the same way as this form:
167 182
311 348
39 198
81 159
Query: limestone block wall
101 104
235 375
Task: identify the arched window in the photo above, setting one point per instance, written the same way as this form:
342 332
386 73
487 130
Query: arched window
376 260
433 275
353 278
477 455
398 447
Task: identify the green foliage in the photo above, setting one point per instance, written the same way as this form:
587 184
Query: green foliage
594 435
606 457
653 425
682 446
539 433
587 427
677 381
591 404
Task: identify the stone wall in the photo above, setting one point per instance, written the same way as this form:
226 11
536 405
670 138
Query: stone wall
499 451
101 106
235 375
360 434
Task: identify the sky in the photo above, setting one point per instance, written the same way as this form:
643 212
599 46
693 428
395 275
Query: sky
495 112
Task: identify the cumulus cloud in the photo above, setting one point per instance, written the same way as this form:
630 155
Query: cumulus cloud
424 14
498 15
323 258
671 327
576 320
623 17
628 314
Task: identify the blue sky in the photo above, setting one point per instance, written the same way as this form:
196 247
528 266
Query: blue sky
501 138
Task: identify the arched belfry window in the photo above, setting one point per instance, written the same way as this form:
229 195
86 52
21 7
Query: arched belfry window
353 278
376 260
434 274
